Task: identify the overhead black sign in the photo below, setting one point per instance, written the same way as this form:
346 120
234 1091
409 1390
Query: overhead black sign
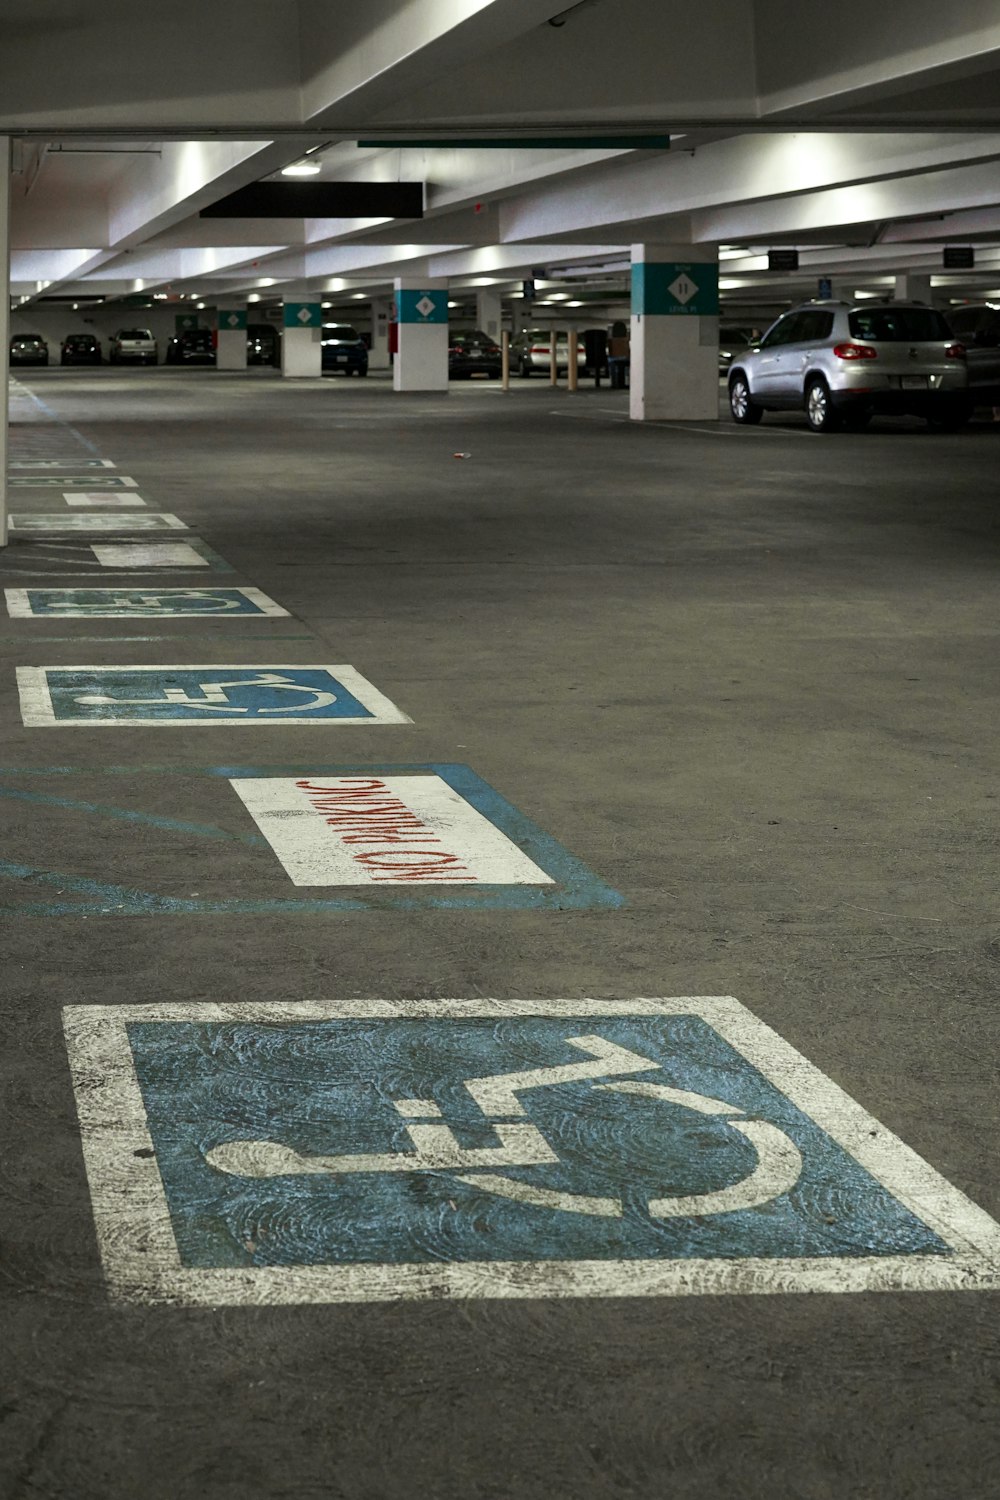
782 260
321 200
959 257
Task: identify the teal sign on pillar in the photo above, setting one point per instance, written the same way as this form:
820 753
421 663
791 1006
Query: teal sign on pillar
422 307
303 315
185 322
232 319
665 288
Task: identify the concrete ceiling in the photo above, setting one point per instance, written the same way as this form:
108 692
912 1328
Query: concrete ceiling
867 136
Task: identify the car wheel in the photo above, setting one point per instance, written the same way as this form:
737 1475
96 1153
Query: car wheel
363 371
743 408
951 416
819 408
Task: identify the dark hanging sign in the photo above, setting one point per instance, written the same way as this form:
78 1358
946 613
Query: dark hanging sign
959 257
321 200
532 143
782 260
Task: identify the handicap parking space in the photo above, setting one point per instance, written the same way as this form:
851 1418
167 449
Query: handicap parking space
337 1067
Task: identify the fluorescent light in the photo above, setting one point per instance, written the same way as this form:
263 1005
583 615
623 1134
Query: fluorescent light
301 169
326 305
201 307
266 281
359 297
574 304
559 296
454 304
254 297
860 295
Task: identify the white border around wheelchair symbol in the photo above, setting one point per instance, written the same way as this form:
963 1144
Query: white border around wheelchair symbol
141 1261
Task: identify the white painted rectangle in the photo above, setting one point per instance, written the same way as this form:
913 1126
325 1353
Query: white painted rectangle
382 830
149 520
98 497
149 555
52 463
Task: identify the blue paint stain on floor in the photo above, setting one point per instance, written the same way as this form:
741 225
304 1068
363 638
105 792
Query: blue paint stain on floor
205 694
328 1088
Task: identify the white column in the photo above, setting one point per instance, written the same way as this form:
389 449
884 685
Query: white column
4 323
422 315
674 373
489 313
378 354
231 349
302 333
913 286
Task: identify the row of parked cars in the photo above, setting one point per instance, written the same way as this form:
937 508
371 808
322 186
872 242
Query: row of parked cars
135 345
844 362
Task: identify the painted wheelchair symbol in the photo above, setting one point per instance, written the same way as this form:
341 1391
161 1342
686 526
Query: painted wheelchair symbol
435 1148
154 604
215 699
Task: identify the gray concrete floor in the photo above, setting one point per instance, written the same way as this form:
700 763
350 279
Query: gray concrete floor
750 679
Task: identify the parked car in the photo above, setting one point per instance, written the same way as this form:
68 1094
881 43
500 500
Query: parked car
343 348
531 351
28 349
263 344
195 346
133 344
473 353
843 362
732 341
977 325
80 349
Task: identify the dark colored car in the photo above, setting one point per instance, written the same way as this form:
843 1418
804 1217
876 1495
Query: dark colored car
195 346
80 349
977 324
28 349
263 344
344 349
473 353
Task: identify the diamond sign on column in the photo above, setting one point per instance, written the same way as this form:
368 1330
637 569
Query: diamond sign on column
683 288
233 320
426 306
304 315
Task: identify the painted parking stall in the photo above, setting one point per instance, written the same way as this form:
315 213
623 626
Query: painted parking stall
494 1149
140 603
93 521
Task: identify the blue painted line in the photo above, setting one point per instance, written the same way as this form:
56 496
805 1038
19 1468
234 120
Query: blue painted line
129 815
60 421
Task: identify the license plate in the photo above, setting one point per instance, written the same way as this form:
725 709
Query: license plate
914 382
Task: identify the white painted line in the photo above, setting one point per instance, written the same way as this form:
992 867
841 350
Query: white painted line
388 830
59 521
152 555
142 602
49 463
142 1261
38 710
102 497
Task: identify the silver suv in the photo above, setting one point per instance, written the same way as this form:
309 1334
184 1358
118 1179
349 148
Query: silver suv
843 362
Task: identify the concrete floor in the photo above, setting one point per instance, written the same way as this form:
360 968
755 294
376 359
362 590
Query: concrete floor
749 679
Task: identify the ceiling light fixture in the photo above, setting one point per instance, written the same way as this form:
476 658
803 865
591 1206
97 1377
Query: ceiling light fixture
302 169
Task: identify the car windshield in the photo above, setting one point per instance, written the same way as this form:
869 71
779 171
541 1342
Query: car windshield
341 333
135 333
898 325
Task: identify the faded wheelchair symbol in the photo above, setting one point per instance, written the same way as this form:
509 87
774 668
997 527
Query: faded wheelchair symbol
215 698
522 1144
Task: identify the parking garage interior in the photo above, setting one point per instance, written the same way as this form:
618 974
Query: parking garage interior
505 1008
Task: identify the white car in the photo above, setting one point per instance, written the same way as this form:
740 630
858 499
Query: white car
133 344
532 350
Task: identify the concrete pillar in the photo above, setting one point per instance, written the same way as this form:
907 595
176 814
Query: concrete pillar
489 313
302 333
674 374
913 286
231 348
4 323
422 315
378 354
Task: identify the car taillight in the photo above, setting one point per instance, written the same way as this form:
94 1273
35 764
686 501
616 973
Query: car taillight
539 349
455 349
955 351
855 351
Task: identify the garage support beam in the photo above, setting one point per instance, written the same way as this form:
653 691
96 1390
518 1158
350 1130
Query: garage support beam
302 333
231 351
4 323
675 333
421 362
